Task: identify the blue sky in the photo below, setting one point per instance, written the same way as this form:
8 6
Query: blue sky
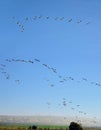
65 36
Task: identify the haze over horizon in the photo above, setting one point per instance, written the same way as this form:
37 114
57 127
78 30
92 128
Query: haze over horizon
47 120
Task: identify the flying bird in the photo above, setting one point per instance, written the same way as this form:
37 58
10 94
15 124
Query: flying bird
84 79
47 17
60 76
13 17
70 20
71 78
3 65
56 18
30 61
77 105
35 17
18 81
52 85
40 16
62 18
79 21
61 81
26 18
37 60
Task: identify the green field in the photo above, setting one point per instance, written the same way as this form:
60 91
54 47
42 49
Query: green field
39 127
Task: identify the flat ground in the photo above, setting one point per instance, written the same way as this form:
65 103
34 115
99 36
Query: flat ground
39 127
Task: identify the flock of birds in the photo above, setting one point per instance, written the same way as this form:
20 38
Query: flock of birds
68 104
21 23
61 78
64 103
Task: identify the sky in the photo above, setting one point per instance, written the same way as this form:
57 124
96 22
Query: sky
50 55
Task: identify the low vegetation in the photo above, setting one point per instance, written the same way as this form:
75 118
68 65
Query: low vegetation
39 127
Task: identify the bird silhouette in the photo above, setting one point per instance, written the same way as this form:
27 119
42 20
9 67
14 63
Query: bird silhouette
70 20
18 81
79 21
37 60
40 16
30 61
62 18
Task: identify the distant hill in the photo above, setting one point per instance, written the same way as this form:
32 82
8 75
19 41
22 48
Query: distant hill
47 120
44 120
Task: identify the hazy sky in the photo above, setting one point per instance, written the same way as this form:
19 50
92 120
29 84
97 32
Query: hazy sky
50 57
